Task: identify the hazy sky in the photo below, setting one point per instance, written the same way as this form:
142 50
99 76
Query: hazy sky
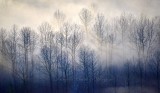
34 12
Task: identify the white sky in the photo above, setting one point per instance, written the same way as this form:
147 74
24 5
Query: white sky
34 12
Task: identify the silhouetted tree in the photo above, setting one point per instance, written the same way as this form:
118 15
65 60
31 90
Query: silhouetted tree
25 61
47 51
86 17
74 41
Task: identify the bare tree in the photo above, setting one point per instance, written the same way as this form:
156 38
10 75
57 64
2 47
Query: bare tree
142 37
93 69
85 68
3 37
99 27
66 31
74 40
89 68
32 49
156 55
61 41
123 22
46 54
25 61
86 17
45 28
57 50
60 17
111 41
48 51
9 49
13 55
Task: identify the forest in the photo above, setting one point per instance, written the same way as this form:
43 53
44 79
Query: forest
96 55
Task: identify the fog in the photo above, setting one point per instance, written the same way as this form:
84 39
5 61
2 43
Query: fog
79 46
33 12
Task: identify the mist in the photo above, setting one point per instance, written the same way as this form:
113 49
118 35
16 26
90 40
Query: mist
79 46
32 12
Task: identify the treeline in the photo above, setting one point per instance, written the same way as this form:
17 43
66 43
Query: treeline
79 58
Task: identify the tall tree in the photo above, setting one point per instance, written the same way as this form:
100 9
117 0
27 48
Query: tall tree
86 17
74 41
25 61
48 51
10 50
141 36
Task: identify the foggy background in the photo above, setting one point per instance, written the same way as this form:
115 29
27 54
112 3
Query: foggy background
33 12
79 46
